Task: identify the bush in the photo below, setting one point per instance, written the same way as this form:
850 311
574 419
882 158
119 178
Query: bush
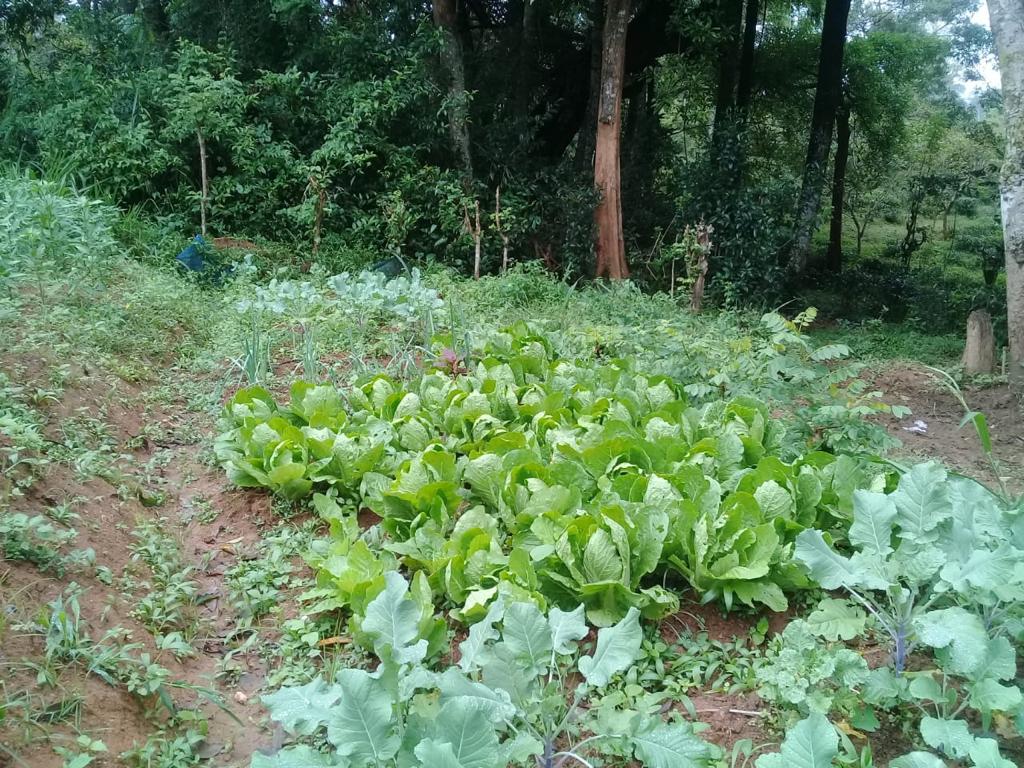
46 226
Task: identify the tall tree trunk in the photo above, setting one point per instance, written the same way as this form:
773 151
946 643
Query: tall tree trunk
205 195
611 245
827 95
1007 19
731 13
446 19
587 136
526 56
745 81
834 258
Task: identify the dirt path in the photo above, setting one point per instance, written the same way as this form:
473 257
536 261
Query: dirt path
940 434
199 534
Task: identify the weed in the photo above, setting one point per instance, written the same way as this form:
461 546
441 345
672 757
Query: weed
85 751
170 747
977 420
36 540
171 592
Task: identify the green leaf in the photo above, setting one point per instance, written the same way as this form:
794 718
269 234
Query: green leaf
985 754
671 746
980 427
918 760
434 754
989 695
495 702
617 647
922 502
874 515
999 661
774 500
811 743
392 620
601 560
472 649
302 709
527 636
467 727
830 569
951 737
836 620
567 629
362 724
926 688
300 756
983 568
962 632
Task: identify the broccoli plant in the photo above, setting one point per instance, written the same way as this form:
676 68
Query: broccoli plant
505 703
936 541
939 564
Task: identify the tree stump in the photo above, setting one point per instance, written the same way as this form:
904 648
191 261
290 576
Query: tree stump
980 350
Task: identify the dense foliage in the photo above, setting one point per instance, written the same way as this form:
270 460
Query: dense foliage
521 473
323 125
512 489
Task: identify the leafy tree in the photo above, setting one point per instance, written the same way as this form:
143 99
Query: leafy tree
208 102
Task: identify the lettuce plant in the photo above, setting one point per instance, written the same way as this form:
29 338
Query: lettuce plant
563 482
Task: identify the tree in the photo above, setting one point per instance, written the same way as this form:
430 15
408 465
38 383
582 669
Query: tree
745 81
867 189
730 18
1007 18
834 257
611 245
207 102
446 19
827 95
587 136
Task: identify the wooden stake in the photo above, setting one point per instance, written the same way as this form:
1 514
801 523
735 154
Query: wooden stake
206 186
501 232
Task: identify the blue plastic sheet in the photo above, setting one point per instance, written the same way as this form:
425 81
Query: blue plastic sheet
192 257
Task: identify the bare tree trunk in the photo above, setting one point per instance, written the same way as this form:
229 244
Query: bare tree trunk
980 347
745 83
585 143
827 96
611 244
834 259
446 19
527 54
731 15
474 228
1007 19
500 230
205 195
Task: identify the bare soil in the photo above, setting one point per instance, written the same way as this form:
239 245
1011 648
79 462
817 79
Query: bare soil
943 438
107 517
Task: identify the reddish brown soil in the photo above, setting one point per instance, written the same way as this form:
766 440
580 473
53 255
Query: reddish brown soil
959 448
731 717
110 713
